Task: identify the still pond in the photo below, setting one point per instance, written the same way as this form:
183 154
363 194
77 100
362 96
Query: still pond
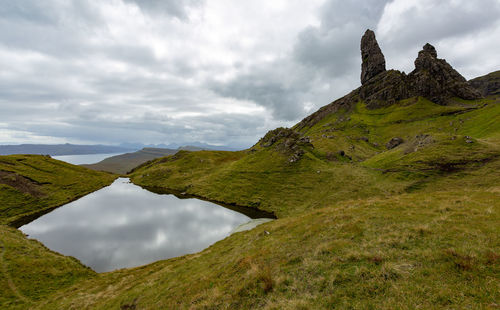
124 225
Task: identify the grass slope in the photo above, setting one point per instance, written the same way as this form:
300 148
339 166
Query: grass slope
435 251
31 185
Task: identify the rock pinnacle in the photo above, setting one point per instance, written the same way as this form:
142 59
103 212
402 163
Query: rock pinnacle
373 61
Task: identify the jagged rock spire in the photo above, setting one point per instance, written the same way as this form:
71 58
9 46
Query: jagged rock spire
373 61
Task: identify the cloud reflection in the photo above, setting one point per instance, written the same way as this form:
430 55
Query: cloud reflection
124 225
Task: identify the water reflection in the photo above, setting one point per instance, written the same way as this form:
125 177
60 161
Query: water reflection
124 225
85 158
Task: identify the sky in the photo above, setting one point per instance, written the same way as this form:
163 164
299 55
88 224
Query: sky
221 72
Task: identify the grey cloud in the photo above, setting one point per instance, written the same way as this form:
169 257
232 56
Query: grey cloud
449 25
228 129
176 8
331 51
336 13
282 100
440 20
46 27
38 12
321 56
333 47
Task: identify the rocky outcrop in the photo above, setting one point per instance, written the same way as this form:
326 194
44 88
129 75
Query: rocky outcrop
385 89
287 141
436 80
432 78
488 84
372 59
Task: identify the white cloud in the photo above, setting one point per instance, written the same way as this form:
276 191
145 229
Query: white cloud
461 31
219 72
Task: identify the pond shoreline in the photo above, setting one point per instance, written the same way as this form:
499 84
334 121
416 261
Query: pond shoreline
247 210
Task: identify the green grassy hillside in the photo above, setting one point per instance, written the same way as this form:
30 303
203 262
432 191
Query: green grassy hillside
31 185
360 225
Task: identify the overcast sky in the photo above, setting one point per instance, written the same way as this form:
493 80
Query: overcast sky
220 72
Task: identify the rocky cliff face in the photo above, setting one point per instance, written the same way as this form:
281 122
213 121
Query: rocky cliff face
488 84
432 78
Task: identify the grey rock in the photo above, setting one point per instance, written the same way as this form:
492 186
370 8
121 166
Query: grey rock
393 143
372 59
436 80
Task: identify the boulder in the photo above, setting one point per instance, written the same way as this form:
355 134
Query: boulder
393 143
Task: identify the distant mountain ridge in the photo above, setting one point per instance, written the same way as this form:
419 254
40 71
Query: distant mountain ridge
123 163
61 149
81 149
182 145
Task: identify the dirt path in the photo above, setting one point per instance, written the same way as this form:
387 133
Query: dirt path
7 275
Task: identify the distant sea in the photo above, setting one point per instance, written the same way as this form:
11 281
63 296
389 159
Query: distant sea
84 159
